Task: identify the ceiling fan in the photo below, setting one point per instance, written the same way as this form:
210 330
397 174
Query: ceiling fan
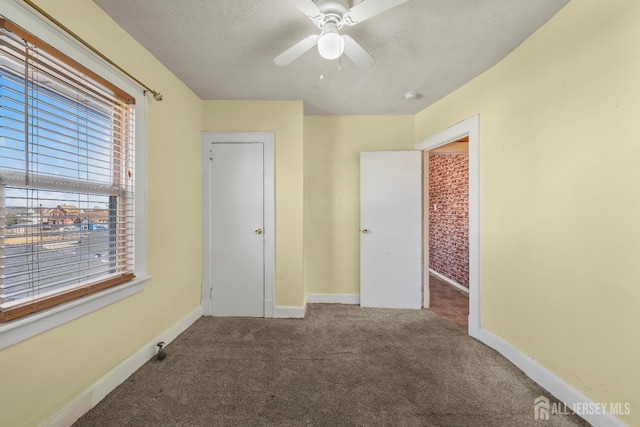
330 16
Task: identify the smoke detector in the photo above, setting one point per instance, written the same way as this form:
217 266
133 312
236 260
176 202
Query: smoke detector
410 95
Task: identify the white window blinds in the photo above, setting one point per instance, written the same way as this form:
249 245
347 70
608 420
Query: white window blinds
66 178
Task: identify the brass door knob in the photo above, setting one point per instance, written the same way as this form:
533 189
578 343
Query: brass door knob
258 230
365 231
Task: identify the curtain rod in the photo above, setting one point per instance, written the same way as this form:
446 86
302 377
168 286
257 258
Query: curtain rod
156 95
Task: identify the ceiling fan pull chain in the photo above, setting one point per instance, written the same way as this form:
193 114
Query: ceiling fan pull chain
321 73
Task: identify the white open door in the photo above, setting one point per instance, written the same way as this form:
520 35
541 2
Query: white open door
391 229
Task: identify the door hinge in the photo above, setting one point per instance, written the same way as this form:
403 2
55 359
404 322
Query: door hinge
211 153
211 293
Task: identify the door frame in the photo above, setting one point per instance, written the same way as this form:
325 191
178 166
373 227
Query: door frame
469 127
267 139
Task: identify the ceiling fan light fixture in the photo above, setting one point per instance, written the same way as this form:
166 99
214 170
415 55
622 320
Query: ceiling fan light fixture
330 44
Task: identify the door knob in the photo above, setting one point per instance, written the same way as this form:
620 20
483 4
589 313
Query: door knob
258 230
365 231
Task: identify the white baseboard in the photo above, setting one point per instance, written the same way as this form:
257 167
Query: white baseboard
80 405
288 312
449 281
548 380
333 299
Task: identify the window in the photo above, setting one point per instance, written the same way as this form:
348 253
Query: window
66 178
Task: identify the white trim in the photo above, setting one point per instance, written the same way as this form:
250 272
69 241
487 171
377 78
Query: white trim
289 312
89 398
547 379
449 281
333 299
471 128
269 308
140 195
29 326
267 139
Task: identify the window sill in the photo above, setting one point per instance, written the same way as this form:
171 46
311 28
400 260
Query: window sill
26 327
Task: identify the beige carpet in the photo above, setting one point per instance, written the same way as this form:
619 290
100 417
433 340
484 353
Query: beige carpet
340 366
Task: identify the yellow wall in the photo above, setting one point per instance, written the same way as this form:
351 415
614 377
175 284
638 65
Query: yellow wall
84 350
284 118
559 210
559 178
332 147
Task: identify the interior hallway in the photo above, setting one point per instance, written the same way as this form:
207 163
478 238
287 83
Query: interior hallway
449 302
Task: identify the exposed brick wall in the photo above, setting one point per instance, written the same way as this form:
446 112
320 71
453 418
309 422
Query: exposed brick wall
449 223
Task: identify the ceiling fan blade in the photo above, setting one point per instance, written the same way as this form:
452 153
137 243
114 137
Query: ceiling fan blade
356 53
296 51
308 7
370 8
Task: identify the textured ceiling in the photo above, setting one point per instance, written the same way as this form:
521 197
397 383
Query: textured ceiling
224 49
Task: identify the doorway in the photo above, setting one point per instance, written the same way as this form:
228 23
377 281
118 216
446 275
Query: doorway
238 224
446 217
465 132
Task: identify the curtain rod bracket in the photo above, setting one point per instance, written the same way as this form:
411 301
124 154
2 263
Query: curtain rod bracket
156 95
